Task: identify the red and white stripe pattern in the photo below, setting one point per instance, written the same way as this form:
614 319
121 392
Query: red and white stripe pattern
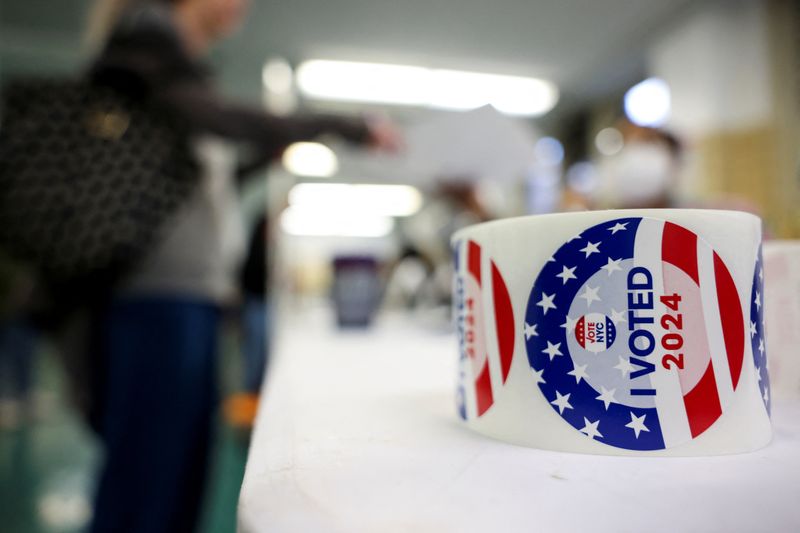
690 400
489 329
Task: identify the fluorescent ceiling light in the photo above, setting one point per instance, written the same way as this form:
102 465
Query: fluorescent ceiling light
362 82
310 159
648 103
419 86
277 76
336 198
303 221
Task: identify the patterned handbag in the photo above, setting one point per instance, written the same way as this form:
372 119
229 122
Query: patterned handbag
88 177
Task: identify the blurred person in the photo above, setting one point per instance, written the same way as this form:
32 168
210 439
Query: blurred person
426 259
407 278
644 174
155 341
454 204
256 326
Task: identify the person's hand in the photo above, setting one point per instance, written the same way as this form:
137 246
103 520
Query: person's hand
383 134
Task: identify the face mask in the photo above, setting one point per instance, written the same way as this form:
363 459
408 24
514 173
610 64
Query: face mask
642 173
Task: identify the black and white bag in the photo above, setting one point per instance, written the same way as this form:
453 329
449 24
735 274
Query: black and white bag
88 177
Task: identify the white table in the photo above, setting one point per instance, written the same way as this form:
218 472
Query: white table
358 433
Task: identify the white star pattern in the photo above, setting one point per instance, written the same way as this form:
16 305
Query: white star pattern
569 323
567 274
607 396
637 424
546 302
619 226
591 248
590 295
624 366
612 266
755 326
578 236
590 429
538 375
579 372
530 331
618 316
552 349
562 402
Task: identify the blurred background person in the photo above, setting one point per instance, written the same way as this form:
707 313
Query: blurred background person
645 173
420 279
157 338
256 325
649 171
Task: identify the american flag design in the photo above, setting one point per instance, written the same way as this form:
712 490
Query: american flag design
757 335
667 334
485 325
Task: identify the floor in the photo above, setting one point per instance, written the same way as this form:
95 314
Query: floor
48 463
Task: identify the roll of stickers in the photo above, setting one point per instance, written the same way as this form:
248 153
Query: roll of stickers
634 332
782 315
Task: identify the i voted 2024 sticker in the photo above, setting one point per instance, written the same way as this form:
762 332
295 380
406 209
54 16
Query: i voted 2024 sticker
485 326
635 334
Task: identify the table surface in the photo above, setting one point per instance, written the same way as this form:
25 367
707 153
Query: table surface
358 432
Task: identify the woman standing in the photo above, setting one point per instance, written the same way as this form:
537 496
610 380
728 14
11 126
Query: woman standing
156 339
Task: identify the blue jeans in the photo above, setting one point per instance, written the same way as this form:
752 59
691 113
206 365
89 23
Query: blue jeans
18 342
158 395
255 342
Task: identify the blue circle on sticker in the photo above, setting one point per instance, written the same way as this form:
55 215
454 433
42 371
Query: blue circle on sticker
634 333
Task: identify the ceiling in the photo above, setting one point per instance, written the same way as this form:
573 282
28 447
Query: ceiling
588 47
